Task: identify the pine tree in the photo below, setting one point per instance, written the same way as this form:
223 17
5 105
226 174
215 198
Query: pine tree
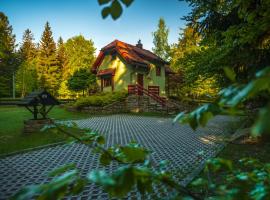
28 49
63 90
161 46
7 56
26 76
61 56
48 69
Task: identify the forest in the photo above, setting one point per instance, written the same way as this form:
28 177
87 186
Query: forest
30 66
222 55
43 65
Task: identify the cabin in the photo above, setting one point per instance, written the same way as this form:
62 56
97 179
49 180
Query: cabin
121 66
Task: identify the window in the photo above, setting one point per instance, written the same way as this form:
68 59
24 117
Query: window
107 81
113 56
158 70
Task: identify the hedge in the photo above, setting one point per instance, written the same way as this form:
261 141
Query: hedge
100 99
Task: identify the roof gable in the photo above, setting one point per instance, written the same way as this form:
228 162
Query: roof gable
131 54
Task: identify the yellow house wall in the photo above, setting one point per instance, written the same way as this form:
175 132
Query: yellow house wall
126 74
150 79
122 76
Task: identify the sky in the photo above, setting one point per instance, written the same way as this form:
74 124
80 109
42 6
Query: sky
73 17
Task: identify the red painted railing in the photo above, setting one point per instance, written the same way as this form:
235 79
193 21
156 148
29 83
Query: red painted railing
138 89
153 89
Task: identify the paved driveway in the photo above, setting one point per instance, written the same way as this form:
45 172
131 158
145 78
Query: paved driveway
178 144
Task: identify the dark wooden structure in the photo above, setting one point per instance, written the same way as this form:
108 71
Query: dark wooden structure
39 102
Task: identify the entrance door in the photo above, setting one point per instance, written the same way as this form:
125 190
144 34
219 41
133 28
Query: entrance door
140 82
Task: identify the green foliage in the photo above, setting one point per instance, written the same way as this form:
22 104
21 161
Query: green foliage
48 66
229 101
28 49
229 73
118 184
61 53
81 80
100 99
261 126
67 183
115 9
201 88
26 78
61 170
236 34
8 57
129 154
200 116
26 75
48 69
161 46
184 56
80 53
64 92
234 95
76 54
188 43
249 181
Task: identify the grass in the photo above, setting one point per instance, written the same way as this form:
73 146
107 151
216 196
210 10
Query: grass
11 126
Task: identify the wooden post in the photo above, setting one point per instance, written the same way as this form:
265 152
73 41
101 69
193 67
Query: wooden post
112 81
43 111
13 85
101 79
35 112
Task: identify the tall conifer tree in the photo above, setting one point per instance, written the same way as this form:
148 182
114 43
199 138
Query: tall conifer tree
48 66
61 55
28 48
7 56
26 76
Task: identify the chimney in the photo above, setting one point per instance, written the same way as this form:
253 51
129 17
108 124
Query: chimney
139 44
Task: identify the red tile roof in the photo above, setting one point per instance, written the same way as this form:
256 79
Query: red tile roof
106 72
131 54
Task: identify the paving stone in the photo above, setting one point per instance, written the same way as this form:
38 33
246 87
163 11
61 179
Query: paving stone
178 144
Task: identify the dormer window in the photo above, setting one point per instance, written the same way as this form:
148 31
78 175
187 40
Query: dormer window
107 81
158 71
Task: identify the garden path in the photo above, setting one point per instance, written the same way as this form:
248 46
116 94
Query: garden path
178 144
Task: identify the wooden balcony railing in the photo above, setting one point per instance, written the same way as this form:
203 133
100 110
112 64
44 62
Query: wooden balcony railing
137 89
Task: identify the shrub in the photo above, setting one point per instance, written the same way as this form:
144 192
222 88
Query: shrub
101 99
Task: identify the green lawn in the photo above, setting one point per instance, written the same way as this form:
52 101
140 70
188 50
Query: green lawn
11 125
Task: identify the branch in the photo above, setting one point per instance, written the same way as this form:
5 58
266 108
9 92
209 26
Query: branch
181 189
168 182
82 142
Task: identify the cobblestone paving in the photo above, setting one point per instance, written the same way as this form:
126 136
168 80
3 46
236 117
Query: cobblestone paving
176 143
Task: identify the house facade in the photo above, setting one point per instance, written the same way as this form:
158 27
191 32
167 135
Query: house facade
121 66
